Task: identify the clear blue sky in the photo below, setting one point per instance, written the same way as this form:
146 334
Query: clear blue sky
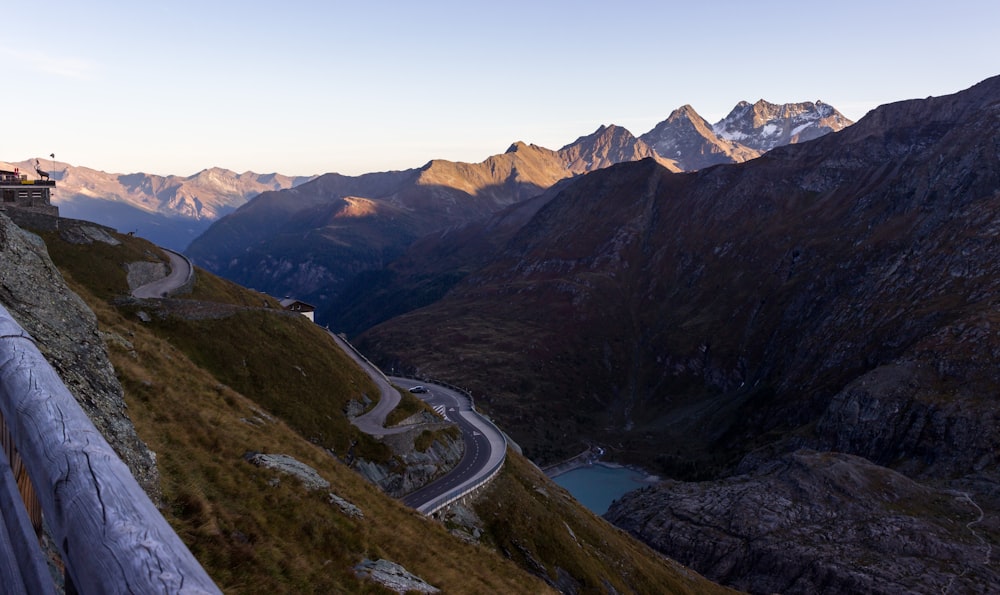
304 87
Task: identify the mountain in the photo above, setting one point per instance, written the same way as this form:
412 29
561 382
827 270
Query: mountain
730 278
607 146
313 240
168 210
323 240
690 140
428 269
764 126
835 296
746 133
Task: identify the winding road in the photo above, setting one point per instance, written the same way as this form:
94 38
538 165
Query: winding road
485 447
373 422
180 272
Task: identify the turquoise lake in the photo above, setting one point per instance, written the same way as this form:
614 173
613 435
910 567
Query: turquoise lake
597 486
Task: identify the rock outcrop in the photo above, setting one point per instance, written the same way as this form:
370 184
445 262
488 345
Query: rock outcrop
394 577
66 333
891 417
289 466
813 522
411 468
143 272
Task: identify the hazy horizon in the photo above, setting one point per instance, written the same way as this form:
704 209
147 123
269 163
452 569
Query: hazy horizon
316 87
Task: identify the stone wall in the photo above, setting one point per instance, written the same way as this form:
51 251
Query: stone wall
45 218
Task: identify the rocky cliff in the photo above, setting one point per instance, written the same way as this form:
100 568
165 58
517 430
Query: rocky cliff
66 333
422 454
812 522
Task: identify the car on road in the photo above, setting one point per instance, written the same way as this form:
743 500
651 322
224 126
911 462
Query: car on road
418 389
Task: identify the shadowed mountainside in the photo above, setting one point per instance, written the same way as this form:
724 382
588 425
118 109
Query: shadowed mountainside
327 236
314 239
787 276
214 380
839 294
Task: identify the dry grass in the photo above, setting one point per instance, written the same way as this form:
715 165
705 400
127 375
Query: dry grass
287 365
538 522
204 392
254 530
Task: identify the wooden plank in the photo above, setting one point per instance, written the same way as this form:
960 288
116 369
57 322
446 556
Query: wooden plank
24 487
22 565
111 536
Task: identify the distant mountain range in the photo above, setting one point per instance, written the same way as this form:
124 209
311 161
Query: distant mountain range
314 240
174 210
169 210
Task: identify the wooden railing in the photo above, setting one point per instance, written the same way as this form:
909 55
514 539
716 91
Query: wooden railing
110 535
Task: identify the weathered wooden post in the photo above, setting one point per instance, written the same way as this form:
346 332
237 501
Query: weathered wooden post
111 536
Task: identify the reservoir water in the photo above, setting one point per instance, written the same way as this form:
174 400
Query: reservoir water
597 486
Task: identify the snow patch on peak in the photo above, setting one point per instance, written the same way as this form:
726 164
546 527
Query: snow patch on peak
730 135
798 129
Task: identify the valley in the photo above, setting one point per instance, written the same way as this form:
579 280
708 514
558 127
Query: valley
789 317
211 428
812 328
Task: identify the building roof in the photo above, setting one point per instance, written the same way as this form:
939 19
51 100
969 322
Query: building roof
296 305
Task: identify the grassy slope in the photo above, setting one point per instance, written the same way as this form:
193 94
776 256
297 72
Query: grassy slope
200 409
533 520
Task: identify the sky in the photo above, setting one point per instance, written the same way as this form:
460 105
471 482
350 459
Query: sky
305 87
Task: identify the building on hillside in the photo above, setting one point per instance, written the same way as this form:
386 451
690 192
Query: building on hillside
27 202
294 305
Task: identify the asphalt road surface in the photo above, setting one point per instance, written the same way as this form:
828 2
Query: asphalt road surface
373 422
485 446
180 271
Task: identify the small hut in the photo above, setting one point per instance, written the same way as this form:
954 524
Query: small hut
294 305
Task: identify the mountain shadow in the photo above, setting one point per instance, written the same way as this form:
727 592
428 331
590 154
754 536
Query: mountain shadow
313 240
805 344
687 319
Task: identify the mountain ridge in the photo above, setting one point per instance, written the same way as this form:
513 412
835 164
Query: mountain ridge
170 210
310 256
767 125
173 210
